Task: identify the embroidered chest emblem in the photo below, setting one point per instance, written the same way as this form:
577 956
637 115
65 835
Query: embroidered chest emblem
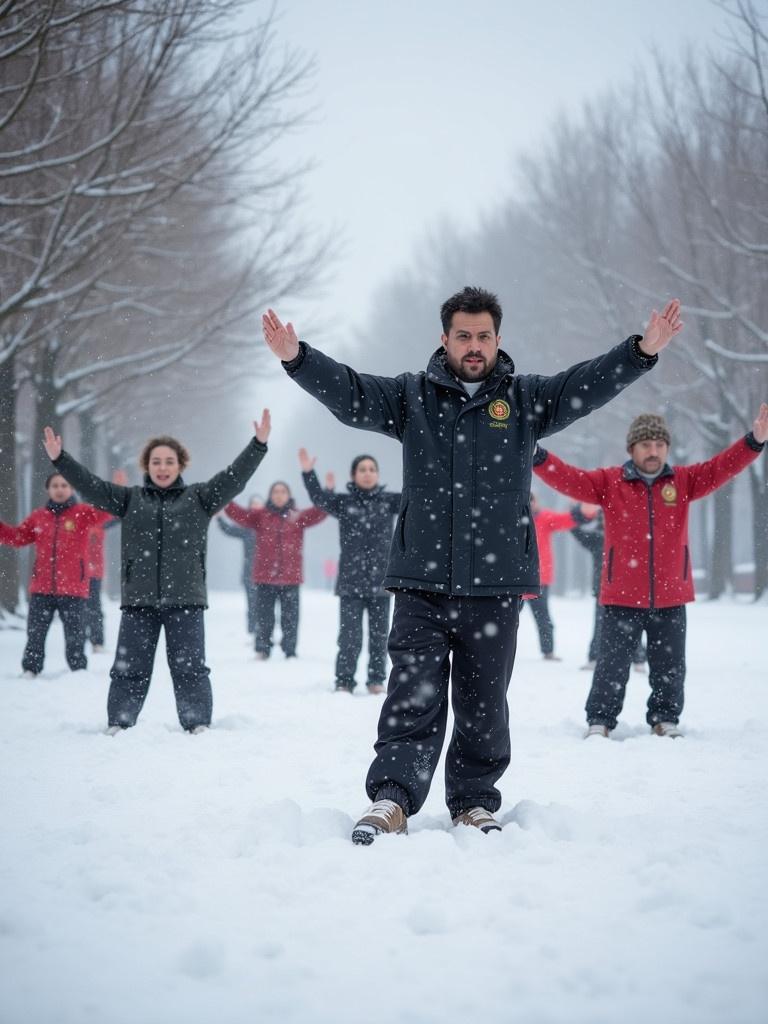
669 494
69 524
499 409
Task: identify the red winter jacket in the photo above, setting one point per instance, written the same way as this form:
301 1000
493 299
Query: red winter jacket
61 547
546 522
646 559
280 541
96 549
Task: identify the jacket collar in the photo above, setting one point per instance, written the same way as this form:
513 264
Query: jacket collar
631 472
361 493
439 372
57 507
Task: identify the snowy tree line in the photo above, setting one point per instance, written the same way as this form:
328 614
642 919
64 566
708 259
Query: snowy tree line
145 219
656 189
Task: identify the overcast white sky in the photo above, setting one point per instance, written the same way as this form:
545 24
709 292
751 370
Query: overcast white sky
423 105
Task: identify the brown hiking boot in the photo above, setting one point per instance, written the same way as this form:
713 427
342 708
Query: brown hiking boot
478 817
382 816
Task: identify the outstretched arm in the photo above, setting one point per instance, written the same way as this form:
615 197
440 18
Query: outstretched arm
113 498
240 532
582 484
310 517
324 499
356 399
222 488
565 397
18 536
705 477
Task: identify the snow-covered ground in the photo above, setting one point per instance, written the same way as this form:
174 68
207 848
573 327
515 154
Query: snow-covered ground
162 877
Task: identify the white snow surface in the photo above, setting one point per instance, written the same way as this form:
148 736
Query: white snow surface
162 877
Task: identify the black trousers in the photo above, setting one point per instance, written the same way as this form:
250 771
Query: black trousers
540 608
267 596
638 658
135 657
472 639
351 611
41 611
93 618
621 631
250 597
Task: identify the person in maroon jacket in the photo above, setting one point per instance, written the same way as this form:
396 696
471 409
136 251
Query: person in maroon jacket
277 567
59 530
546 522
646 579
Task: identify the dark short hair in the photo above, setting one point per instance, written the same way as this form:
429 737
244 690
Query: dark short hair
164 442
361 458
471 300
52 475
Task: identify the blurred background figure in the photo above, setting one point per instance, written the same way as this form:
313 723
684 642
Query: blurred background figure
247 535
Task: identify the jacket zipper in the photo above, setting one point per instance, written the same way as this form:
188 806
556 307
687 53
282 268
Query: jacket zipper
159 548
54 554
650 545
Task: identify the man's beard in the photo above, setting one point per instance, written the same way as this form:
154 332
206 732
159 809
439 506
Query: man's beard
470 375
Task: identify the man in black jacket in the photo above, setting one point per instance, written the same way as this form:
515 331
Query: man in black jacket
464 549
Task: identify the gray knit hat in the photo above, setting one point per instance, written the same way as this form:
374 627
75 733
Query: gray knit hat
648 427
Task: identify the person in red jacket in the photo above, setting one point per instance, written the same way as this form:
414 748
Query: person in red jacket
93 615
646 578
546 522
277 567
59 530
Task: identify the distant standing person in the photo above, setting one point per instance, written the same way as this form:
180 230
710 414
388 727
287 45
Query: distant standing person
464 550
59 531
647 576
93 616
278 569
163 572
248 538
589 532
546 522
366 519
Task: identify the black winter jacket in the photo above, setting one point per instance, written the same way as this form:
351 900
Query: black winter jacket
464 526
165 530
365 533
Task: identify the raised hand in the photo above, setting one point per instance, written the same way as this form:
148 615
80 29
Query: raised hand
306 461
120 477
261 430
330 481
52 443
280 337
661 329
760 426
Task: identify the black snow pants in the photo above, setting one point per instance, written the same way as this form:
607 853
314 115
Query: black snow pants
267 596
540 608
638 658
94 616
351 639
132 670
41 611
250 597
434 636
621 632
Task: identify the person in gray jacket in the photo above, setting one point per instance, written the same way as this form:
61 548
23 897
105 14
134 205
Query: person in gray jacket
248 538
464 547
163 569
